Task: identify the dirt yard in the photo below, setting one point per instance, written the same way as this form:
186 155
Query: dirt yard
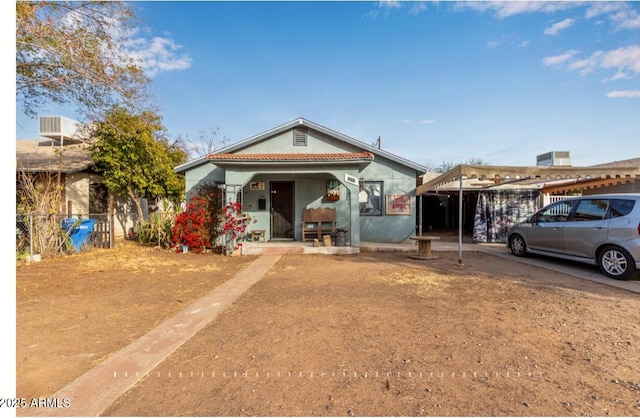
361 335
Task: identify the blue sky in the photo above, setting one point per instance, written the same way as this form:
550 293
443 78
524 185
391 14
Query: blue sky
438 82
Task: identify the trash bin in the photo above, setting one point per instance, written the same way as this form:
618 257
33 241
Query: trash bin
79 231
341 239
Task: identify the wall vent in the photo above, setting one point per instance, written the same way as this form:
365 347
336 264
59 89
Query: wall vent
300 136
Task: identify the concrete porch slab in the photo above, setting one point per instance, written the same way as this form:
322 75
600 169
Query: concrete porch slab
293 247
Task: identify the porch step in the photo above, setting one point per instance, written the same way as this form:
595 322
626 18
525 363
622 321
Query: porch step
253 248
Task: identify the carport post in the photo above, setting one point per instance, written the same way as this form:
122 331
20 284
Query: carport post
460 223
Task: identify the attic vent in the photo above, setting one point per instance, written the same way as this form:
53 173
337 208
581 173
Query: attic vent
300 136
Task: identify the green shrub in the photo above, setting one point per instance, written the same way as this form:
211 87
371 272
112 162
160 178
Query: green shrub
157 230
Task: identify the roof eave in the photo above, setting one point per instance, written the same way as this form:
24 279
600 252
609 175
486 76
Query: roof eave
289 163
190 164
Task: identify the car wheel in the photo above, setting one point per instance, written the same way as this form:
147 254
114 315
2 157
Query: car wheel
517 245
616 263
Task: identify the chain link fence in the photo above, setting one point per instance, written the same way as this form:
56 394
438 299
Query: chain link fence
40 236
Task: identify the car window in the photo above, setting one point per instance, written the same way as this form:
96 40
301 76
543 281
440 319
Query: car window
620 207
591 210
557 212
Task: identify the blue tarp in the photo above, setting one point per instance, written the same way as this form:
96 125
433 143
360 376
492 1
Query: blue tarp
79 231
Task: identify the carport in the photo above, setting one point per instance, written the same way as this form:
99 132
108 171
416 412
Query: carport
580 180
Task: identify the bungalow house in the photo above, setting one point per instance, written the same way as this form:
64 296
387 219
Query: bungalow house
301 165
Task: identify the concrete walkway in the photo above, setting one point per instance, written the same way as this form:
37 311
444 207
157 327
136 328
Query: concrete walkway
93 392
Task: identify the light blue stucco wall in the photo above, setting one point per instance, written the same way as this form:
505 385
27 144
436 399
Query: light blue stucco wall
283 143
198 176
397 180
310 186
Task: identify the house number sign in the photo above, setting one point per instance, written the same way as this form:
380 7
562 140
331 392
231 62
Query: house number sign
350 179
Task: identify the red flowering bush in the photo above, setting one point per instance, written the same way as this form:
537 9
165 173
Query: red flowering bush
235 224
196 226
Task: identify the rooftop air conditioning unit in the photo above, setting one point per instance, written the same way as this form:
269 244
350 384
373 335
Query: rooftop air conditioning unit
554 158
60 129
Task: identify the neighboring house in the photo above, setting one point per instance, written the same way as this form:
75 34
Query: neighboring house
303 165
83 189
83 192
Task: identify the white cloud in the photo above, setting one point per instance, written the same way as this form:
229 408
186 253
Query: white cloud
599 8
158 55
559 59
621 15
508 39
587 65
623 60
371 14
420 122
624 94
620 75
389 4
384 5
557 27
512 8
627 19
418 8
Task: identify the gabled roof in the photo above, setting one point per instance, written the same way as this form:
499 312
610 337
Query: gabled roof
49 156
303 122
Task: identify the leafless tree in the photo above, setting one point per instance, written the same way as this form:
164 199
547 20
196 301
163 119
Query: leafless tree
208 142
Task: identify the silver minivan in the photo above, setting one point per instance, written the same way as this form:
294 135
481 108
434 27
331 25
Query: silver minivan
602 230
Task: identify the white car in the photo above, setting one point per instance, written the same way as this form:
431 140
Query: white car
602 230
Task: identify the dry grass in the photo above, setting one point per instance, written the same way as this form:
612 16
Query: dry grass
424 280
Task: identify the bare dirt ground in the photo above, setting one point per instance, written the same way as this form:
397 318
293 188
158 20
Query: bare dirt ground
373 334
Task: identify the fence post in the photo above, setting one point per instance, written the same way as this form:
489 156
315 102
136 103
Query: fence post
112 224
30 235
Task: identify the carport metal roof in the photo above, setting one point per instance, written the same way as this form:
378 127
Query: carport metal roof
603 175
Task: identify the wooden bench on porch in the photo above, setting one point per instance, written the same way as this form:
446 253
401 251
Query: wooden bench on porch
318 222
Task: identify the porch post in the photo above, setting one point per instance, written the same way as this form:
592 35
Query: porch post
354 210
